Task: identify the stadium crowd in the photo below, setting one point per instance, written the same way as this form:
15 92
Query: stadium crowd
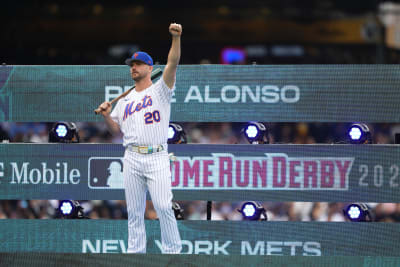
197 210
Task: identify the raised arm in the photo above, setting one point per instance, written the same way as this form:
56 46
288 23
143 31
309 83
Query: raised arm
174 55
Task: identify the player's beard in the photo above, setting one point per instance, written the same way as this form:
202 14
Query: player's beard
139 77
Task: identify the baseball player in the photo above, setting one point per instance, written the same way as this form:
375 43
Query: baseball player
143 118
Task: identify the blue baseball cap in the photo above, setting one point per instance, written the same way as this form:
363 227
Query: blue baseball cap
140 56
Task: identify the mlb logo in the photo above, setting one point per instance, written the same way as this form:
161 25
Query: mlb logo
105 173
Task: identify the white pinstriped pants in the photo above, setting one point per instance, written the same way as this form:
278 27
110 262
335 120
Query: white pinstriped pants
151 172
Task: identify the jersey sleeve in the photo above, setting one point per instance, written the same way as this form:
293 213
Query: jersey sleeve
164 91
115 112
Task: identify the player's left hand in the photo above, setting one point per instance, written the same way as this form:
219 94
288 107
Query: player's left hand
175 29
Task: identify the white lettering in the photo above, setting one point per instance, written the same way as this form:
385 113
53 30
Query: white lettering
197 96
87 246
109 246
112 92
65 173
207 97
185 243
45 171
312 249
122 245
189 246
292 245
44 175
233 88
293 88
259 248
221 249
271 250
58 177
159 245
255 98
270 94
245 94
103 246
206 249
213 247
19 174
32 176
74 174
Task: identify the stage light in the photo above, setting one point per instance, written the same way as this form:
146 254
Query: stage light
71 209
64 132
66 208
359 133
178 211
249 210
251 131
255 133
358 212
253 211
61 130
176 134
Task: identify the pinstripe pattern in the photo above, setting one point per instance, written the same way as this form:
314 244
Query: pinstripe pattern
147 124
134 128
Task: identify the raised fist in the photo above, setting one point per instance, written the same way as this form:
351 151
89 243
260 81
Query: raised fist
175 29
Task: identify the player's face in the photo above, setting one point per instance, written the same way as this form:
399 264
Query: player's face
140 70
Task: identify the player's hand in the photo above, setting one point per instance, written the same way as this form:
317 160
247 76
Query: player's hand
105 108
175 29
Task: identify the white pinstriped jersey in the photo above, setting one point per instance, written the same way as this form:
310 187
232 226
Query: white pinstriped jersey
143 117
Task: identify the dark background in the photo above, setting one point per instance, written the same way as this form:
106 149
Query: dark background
105 32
